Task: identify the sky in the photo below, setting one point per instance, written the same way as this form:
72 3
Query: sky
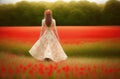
14 1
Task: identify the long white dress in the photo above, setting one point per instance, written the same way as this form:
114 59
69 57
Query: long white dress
48 45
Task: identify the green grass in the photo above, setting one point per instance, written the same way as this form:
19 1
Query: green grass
96 49
88 49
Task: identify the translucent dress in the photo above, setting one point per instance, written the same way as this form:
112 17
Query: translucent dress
48 45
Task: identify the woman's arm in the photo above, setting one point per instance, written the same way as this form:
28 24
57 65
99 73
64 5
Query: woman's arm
42 28
54 29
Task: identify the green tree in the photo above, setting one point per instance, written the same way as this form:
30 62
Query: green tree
72 13
111 13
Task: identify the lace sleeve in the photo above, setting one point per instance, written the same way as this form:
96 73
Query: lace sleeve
42 28
54 29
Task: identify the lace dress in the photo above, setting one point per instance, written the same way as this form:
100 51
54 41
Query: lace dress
48 46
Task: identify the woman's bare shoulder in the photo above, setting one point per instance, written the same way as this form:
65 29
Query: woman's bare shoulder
43 20
53 20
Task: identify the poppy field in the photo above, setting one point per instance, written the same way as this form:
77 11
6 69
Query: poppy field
93 53
20 67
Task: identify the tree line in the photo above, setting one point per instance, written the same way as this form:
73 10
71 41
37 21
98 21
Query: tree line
66 14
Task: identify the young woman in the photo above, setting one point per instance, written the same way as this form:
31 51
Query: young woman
48 46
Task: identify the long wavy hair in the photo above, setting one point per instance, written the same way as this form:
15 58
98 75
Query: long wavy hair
48 17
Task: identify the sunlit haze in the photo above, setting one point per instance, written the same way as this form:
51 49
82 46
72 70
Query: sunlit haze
14 1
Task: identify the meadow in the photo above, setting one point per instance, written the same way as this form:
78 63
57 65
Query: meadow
93 53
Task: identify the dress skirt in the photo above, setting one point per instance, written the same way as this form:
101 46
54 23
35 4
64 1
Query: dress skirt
48 46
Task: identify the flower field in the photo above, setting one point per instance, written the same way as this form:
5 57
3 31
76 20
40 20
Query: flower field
67 34
20 67
93 53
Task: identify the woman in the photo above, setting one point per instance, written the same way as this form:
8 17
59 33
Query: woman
48 47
